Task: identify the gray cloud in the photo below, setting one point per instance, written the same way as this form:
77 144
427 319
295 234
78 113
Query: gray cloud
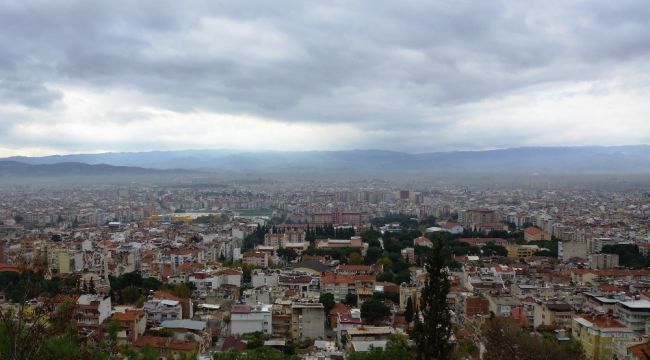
380 66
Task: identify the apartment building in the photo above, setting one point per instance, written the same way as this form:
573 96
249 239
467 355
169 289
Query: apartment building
634 314
307 320
474 217
256 258
552 314
521 251
132 323
598 335
246 319
159 310
603 261
92 311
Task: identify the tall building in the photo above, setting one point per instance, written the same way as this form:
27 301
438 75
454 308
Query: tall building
598 335
474 217
307 320
91 313
603 261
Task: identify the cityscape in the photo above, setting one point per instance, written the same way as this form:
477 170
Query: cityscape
329 270
249 180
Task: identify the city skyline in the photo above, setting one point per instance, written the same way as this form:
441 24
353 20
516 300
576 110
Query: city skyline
415 77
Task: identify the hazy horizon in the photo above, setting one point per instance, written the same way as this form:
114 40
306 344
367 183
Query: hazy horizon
226 150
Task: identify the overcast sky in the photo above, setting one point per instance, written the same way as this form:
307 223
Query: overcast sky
414 76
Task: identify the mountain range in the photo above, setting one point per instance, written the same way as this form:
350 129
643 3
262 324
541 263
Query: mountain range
16 169
583 159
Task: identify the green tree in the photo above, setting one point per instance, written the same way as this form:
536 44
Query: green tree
387 276
396 348
372 311
151 283
327 299
432 334
261 353
287 255
505 339
254 340
182 290
492 249
408 313
403 276
355 259
628 255
350 299
45 332
130 294
386 262
373 255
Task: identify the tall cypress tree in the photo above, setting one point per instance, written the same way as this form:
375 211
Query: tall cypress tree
432 334
408 314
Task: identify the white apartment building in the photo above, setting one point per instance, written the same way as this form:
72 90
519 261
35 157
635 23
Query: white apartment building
246 319
159 310
634 314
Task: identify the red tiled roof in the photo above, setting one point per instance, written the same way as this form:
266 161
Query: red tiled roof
188 267
354 268
11 268
241 309
611 288
602 321
228 271
301 279
165 343
346 318
127 316
168 296
641 351
183 345
232 342
345 279
533 230
153 341
339 308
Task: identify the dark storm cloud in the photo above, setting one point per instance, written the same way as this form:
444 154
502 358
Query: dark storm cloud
380 65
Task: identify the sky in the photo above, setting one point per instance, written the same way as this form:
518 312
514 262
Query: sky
414 76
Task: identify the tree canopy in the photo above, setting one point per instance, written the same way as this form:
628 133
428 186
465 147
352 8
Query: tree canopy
505 339
373 310
433 332
328 302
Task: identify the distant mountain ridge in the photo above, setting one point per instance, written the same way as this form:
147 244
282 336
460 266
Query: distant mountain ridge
581 159
10 168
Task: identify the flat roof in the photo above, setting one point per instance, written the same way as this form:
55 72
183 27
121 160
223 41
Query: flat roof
275 343
169 302
210 306
184 324
374 330
636 304
364 346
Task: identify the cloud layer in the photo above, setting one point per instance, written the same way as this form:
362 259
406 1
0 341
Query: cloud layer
417 76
